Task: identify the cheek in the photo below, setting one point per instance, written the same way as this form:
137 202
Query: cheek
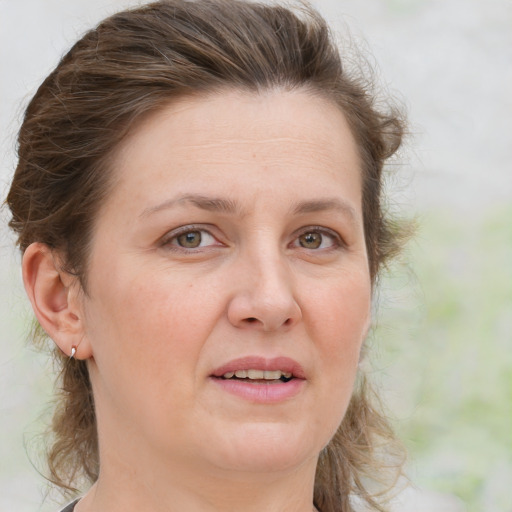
148 303
148 330
339 320
340 310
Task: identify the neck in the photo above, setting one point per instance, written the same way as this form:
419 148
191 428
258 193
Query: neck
291 493
145 484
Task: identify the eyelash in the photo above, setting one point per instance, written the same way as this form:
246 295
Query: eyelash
170 241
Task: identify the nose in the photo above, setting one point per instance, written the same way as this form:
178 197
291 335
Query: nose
264 297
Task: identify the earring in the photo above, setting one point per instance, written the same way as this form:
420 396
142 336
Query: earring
73 352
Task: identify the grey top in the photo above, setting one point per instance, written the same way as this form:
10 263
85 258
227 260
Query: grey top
70 507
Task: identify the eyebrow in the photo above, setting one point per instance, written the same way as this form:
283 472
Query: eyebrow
211 204
326 204
223 205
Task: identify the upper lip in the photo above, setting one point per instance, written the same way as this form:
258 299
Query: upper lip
285 364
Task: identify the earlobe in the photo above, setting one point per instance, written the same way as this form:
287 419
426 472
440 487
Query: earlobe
53 294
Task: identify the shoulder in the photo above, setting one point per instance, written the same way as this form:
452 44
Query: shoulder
70 507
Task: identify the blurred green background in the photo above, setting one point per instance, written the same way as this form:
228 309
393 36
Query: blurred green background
443 355
442 344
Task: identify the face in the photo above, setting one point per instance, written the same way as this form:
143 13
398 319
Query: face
228 286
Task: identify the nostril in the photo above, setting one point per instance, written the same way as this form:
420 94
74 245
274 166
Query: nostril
251 320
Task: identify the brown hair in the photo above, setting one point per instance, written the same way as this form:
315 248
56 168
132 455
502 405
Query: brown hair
132 64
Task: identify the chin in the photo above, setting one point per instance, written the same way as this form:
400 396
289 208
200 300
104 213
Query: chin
268 448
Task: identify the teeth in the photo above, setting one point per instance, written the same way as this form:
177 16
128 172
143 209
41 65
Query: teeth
258 374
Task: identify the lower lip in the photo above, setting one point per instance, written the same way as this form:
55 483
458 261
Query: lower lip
261 393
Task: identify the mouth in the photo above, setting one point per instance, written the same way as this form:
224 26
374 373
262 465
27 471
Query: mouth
259 376
261 380
260 369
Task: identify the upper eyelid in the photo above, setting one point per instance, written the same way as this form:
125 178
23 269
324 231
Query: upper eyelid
322 229
189 227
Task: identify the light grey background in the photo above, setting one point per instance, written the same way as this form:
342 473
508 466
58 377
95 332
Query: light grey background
449 61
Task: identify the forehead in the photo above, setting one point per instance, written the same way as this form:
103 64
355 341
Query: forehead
238 137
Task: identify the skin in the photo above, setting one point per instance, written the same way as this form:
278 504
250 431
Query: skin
158 318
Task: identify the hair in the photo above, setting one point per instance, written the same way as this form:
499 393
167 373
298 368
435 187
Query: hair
134 63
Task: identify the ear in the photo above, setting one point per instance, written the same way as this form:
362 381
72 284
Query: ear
55 296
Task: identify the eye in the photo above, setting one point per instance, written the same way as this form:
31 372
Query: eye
310 240
190 239
317 238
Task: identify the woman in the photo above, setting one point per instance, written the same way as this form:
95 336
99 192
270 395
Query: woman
197 201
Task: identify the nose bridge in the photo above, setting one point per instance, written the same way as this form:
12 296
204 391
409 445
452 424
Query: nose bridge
273 280
265 295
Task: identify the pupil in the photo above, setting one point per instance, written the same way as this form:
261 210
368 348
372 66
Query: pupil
191 239
311 240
